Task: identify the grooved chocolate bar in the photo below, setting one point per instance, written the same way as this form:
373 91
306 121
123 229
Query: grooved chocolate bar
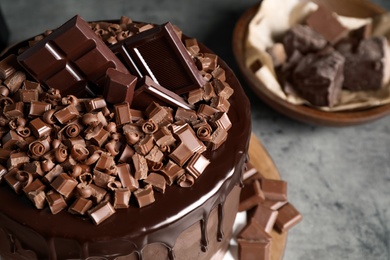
72 59
160 54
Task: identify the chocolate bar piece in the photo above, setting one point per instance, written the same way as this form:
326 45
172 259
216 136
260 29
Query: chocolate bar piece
251 195
287 218
149 91
325 22
119 86
72 59
160 54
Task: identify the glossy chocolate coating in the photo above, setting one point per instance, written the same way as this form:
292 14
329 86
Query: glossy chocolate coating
63 235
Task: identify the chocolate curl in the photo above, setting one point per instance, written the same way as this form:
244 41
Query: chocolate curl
84 190
39 147
79 152
86 178
48 117
89 119
70 100
72 130
92 159
204 133
112 147
4 91
76 171
12 124
132 137
24 177
56 143
23 131
61 154
114 185
186 181
5 101
149 127
111 127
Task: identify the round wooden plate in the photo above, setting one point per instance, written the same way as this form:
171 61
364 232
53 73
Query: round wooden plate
356 8
262 161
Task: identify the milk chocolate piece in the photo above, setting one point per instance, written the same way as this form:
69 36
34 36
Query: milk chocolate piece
119 86
38 197
126 154
80 206
13 111
171 172
149 91
56 202
251 195
274 189
53 173
160 54
97 193
105 162
38 108
206 111
15 81
254 250
72 59
28 95
3 171
209 92
36 185
126 178
222 89
157 181
8 66
221 120
122 114
121 198
196 95
154 157
189 138
319 77
185 115
144 196
218 137
196 165
254 232
33 168
96 103
220 103
163 137
4 154
192 46
144 145
39 128
287 218
11 140
325 22
17 159
140 166
101 212
102 179
66 114
264 216
64 184
181 154
304 39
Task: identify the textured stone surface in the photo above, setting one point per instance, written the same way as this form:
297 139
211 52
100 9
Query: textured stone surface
346 205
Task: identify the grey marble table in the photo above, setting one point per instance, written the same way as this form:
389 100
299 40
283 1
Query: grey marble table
339 178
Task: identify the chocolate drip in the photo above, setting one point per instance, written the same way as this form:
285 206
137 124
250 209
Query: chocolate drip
171 254
204 242
220 233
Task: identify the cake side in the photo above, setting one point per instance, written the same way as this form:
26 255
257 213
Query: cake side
28 231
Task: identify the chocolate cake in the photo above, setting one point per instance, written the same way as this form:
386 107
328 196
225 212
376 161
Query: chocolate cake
120 140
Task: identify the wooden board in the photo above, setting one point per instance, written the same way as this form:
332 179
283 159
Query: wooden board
261 160
304 113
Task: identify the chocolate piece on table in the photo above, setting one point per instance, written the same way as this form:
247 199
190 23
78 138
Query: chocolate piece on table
71 53
196 165
149 91
119 86
157 181
101 212
8 66
368 67
80 206
318 78
251 195
144 196
274 189
264 216
304 39
251 174
287 218
254 242
160 54
325 23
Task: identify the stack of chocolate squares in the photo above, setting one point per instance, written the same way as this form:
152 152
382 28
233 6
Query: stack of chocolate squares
267 207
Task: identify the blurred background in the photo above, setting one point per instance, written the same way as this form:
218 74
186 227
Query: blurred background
338 178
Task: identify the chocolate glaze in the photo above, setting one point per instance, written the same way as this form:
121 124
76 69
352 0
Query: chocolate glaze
38 234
